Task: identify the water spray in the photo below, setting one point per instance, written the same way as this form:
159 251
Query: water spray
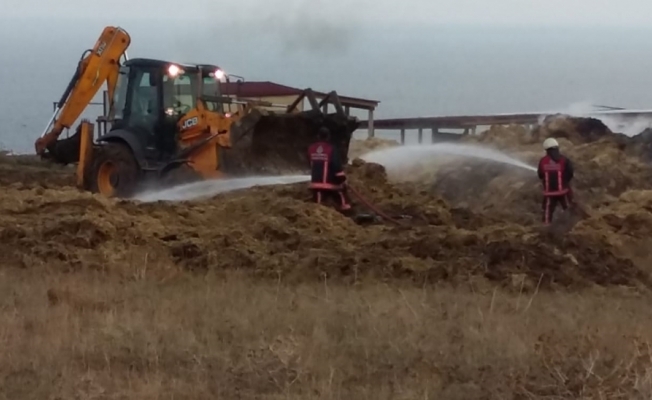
405 156
209 188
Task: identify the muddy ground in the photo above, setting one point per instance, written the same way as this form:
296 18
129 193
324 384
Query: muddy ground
461 221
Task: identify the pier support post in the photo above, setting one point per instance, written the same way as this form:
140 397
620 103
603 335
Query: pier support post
433 134
402 135
371 124
420 135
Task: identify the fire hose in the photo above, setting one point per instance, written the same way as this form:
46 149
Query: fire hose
371 206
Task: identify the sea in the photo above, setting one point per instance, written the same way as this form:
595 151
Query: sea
412 70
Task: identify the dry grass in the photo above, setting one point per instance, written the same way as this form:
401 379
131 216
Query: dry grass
91 336
24 160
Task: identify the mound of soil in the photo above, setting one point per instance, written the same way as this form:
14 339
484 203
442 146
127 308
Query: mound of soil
276 232
31 171
576 130
502 136
626 224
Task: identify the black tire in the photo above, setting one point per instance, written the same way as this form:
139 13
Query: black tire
117 160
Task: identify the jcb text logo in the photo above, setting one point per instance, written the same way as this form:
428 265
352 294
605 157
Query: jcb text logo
189 123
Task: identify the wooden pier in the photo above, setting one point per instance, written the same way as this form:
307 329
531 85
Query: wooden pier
468 124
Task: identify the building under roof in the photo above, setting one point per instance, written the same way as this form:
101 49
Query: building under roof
286 95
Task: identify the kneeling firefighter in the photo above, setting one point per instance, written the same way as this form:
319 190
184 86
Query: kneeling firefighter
327 172
555 172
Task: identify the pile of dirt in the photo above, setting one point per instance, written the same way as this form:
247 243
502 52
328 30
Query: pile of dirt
625 224
639 145
459 222
276 232
500 136
31 171
574 129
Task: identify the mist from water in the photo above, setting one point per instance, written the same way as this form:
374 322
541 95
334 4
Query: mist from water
209 188
390 158
618 124
407 156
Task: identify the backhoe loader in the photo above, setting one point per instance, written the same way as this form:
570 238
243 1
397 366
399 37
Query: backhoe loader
168 123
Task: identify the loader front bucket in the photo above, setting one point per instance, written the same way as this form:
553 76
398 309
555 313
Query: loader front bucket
265 143
65 151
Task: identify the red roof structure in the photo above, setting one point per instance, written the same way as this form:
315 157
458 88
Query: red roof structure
271 89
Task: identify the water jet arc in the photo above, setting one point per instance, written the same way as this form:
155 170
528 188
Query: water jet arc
209 188
406 156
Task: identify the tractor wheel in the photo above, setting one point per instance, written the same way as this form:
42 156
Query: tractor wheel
115 171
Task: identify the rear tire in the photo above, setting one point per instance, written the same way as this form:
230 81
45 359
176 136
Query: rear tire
115 171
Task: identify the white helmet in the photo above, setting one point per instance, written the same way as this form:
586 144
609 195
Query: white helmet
550 143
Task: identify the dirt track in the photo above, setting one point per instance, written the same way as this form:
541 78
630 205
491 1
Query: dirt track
474 222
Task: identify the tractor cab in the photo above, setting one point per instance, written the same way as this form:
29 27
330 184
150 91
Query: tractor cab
152 95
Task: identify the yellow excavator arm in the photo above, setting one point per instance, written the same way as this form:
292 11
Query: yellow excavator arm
97 66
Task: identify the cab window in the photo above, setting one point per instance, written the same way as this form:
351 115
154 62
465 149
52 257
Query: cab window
178 94
211 87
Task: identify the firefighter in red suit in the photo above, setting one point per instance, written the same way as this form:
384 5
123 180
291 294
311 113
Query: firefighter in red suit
555 172
327 172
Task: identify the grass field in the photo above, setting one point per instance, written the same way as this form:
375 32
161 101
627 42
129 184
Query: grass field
92 336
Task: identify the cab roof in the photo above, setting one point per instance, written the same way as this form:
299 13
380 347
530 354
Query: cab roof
150 62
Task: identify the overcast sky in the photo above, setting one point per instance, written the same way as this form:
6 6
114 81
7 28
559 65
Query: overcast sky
621 13
419 57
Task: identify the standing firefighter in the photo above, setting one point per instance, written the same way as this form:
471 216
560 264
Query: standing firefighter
327 172
555 172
